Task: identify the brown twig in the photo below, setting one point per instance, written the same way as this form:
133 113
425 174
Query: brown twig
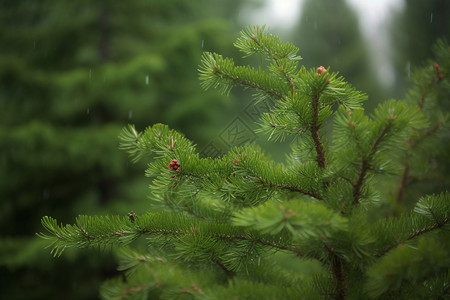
315 133
338 274
291 188
411 146
403 180
415 234
366 165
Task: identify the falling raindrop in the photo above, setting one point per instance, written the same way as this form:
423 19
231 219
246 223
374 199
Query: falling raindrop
431 18
408 67
147 80
88 110
202 43
90 73
130 114
34 45
315 25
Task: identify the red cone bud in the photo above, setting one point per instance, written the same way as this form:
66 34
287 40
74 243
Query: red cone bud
437 67
174 165
321 70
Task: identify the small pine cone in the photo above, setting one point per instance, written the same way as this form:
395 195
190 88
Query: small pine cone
437 67
321 70
174 165
132 217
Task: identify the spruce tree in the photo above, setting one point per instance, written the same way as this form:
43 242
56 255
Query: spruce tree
241 226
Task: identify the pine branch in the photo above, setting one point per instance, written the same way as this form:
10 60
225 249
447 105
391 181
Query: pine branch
262 241
247 83
135 289
425 90
430 131
425 80
301 191
291 188
411 236
427 229
229 273
411 146
431 213
221 73
315 133
119 231
273 175
403 180
289 79
336 268
444 292
366 165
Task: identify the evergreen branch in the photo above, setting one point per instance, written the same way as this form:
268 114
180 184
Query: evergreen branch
254 39
336 269
430 131
408 265
425 90
253 167
291 188
289 79
336 266
444 292
315 132
413 235
229 273
357 186
423 85
262 241
428 229
134 289
430 213
300 190
119 231
303 221
413 144
403 180
158 140
221 73
248 83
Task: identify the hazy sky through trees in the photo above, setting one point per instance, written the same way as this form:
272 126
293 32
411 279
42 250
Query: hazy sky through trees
373 16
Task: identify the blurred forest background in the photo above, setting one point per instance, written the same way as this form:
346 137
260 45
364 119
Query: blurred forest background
73 73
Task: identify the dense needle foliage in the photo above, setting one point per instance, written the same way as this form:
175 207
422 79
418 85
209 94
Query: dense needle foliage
325 224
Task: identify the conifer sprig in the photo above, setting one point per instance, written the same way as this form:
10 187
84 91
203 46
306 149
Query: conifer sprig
106 231
430 86
283 56
221 73
236 218
430 213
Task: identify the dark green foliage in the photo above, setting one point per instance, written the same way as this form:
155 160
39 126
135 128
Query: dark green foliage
71 74
321 225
